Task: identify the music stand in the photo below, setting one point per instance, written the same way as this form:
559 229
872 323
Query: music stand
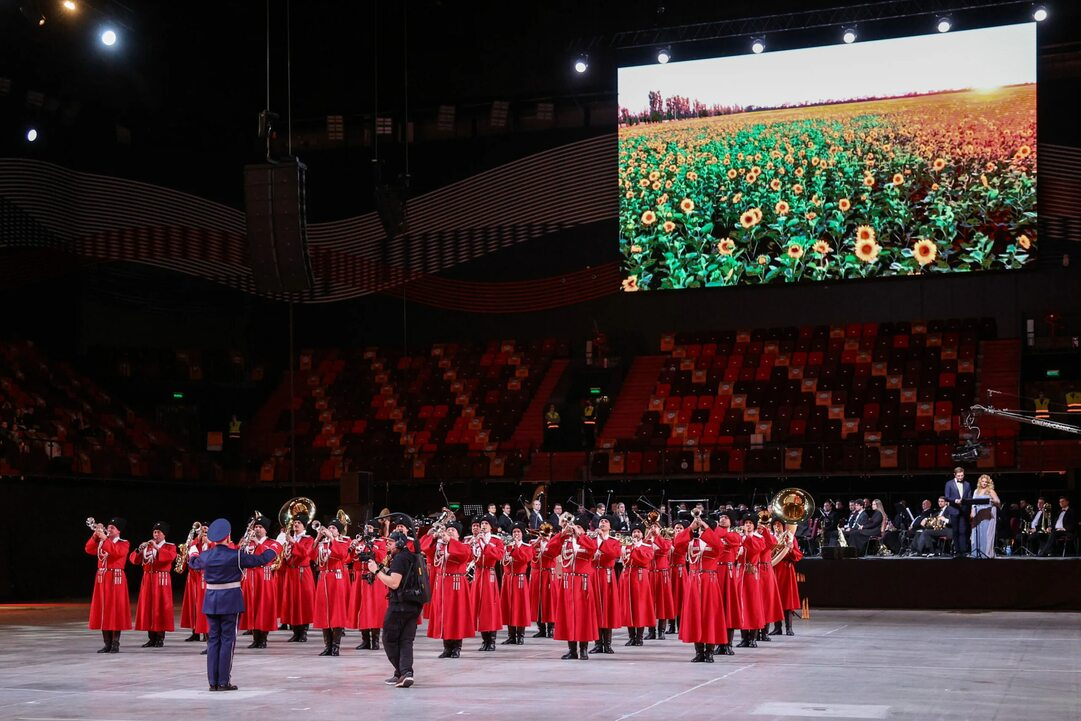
967 504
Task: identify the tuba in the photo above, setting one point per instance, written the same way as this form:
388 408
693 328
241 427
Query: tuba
791 505
343 518
293 508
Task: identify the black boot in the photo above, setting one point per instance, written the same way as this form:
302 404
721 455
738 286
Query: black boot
512 636
707 653
598 647
248 632
456 650
542 630
551 630
672 625
296 634
583 655
776 628
763 634
283 627
788 623
375 639
744 639
193 637
447 645
114 646
751 642
660 630
336 641
328 635
652 635
107 639
303 638
631 636
519 636
365 640
699 653
151 640
572 652
608 641
160 641
483 641
639 635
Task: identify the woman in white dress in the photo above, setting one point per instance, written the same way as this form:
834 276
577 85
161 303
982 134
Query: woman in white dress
984 518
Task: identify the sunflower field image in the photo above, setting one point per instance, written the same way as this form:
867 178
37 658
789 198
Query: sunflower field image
930 183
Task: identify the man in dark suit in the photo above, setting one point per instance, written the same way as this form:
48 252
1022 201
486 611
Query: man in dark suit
958 490
553 517
224 601
535 517
924 542
1063 529
867 525
504 520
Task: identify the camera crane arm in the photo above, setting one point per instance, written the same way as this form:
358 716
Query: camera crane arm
979 410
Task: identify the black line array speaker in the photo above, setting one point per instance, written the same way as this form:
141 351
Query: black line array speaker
275 202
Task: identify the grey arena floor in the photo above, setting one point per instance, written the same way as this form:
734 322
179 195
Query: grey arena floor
920 665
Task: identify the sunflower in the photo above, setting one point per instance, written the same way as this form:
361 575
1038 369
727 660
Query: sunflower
1024 151
654 176
810 215
751 177
736 198
1024 242
748 219
686 205
864 233
781 208
869 180
795 251
797 189
939 164
630 284
629 195
643 183
692 176
757 214
934 186
821 247
775 184
867 250
656 186
636 248
898 179
726 246
924 251
799 172
844 204
731 174
763 259
668 226
649 217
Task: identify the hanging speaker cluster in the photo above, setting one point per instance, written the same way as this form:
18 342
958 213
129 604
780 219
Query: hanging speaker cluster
275 203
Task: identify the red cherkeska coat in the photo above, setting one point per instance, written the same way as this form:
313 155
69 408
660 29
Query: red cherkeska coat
730 572
678 566
486 609
636 589
332 594
607 592
703 616
767 581
514 597
427 547
753 614
191 610
664 603
155 609
452 608
576 611
110 607
296 583
260 589
785 570
542 586
369 599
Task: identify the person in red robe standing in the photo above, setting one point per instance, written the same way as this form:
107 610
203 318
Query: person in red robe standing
452 616
542 586
730 571
191 609
606 589
514 596
785 571
331 612
703 615
767 583
110 607
295 578
154 613
370 600
753 613
661 582
576 611
488 553
678 566
260 587
636 591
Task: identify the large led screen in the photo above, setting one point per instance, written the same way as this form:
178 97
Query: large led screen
910 156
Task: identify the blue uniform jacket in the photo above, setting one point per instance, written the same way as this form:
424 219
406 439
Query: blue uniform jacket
222 565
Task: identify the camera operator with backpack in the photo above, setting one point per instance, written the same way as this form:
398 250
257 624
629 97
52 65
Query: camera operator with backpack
406 578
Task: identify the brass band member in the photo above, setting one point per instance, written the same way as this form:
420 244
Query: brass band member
753 613
295 577
488 553
635 586
369 600
542 586
767 581
702 618
260 587
679 573
331 612
607 589
154 613
730 573
191 610
452 606
576 614
110 608
785 570
515 591
661 581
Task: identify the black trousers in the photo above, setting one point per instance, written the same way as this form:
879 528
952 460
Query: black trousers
399 632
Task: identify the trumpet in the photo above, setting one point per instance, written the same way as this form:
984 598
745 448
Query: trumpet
94 525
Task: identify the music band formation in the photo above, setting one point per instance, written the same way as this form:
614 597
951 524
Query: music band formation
576 577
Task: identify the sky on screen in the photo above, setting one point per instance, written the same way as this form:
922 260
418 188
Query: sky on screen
984 58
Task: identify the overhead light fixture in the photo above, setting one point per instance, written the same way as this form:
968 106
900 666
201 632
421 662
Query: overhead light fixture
70 5
664 55
944 25
108 37
758 45
31 135
31 10
581 64
849 35
1039 13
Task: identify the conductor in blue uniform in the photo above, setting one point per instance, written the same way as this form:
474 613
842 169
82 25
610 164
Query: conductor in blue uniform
221 567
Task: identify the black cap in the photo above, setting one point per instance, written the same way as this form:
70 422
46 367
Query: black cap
337 524
302 517
162 526
265 522
119 522
519 526
711 523
477 520
456 526
748 517
638 527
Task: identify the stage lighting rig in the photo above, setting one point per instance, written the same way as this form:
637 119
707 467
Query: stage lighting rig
944 25
849 35
108 37
664 55
31 10
1039 13
581 64
758 45
967 452
31 135
70 5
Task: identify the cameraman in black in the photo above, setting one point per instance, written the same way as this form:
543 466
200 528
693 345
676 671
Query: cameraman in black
400 622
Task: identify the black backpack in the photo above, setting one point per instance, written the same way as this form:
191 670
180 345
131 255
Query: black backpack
415 587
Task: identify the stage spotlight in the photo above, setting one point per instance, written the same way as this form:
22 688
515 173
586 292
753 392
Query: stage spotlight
849 35
108 37
944 25
70 5
32 13
664 55
581 64
31 135
758 46
1039 13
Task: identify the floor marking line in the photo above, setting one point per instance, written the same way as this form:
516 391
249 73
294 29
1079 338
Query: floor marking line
693 688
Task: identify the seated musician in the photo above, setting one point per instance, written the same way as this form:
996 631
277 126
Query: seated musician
1063 530
935 525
